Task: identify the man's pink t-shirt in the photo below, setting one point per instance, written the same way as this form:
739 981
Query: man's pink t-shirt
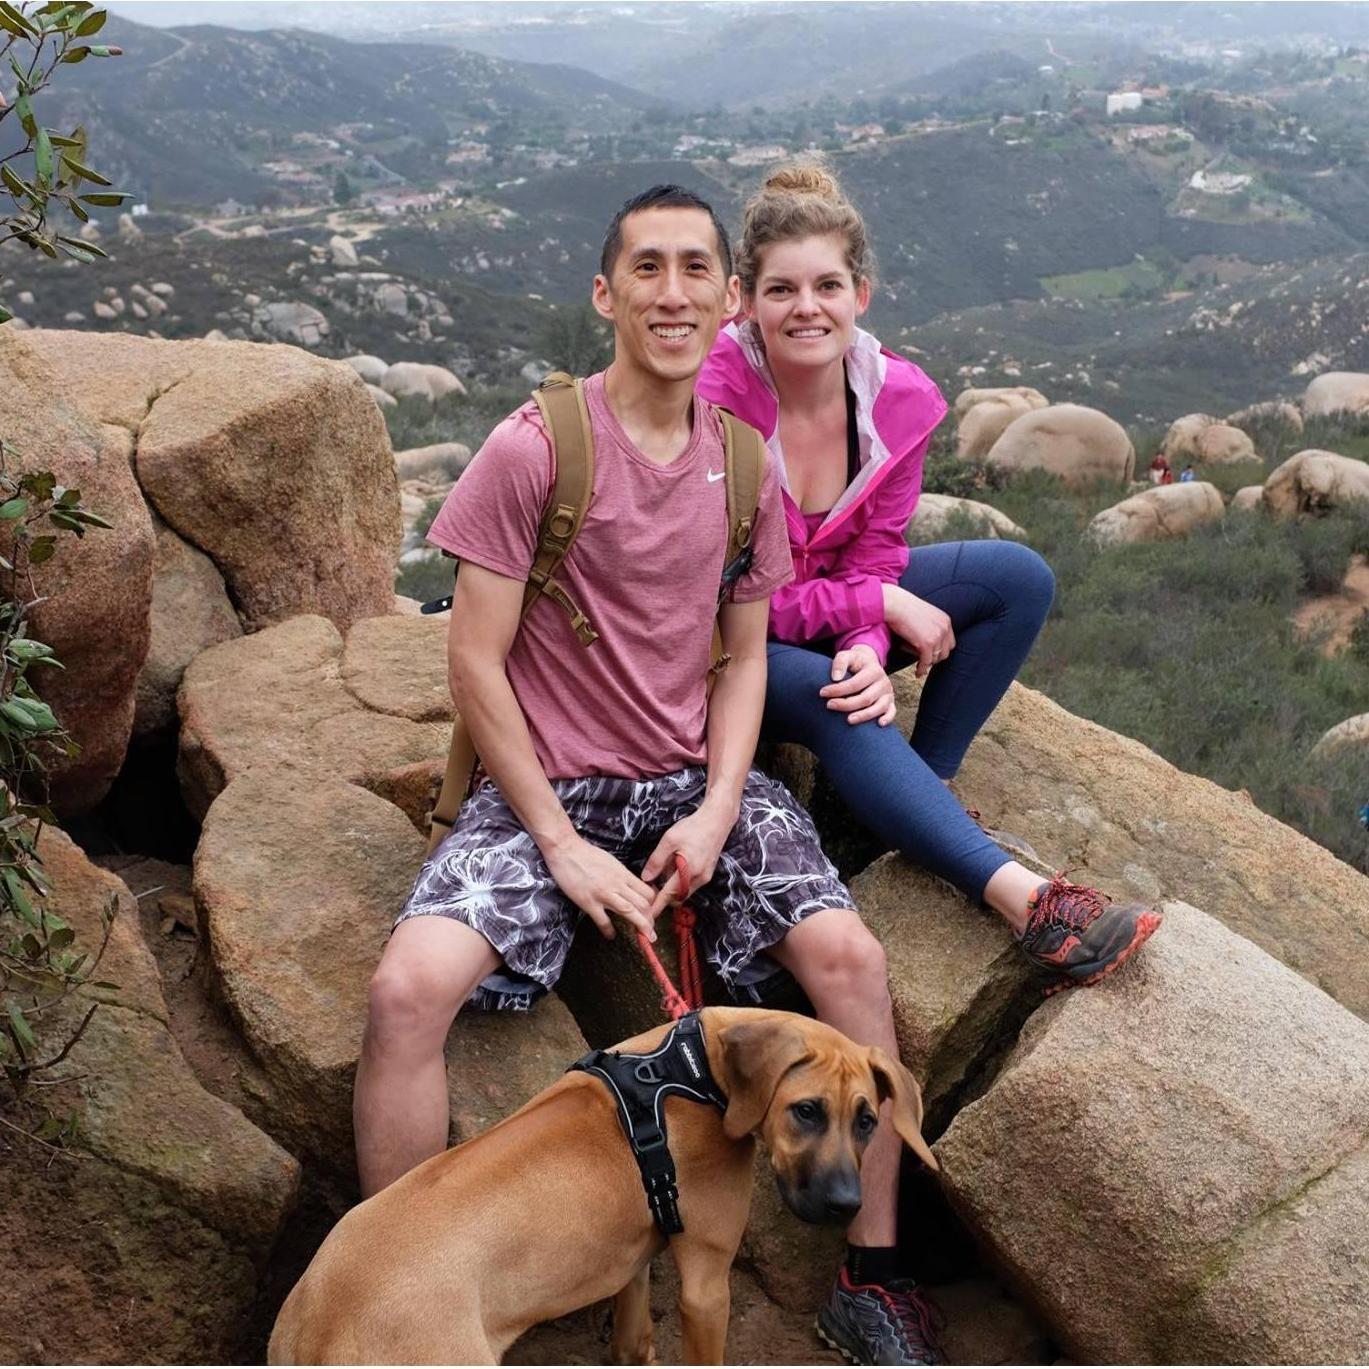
645 569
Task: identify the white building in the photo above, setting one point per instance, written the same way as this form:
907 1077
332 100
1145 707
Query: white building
1123 101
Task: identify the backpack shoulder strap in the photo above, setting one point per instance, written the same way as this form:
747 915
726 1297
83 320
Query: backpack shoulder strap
564 411
745 462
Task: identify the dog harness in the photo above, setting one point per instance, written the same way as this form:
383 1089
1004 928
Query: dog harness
640 1084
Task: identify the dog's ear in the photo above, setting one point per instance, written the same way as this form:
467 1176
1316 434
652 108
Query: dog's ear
895 1083
756 1056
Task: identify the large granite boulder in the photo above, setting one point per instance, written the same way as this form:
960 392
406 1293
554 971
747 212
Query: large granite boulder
297 697
311 757
984 422
273 463
95 592
968 398
1222 444
1268 413
1076 443
935 514
1314 482
1182 437
1337 392
1352 734
1174 1167
1159 514
190 611
148 1247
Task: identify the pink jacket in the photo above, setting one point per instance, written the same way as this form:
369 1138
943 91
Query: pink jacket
840 572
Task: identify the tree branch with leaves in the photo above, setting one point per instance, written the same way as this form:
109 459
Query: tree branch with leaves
41 967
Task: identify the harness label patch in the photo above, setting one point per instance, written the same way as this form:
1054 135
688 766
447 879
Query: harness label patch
690 1060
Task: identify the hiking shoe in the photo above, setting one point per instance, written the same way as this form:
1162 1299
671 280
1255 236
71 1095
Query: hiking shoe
1078 935
870 1323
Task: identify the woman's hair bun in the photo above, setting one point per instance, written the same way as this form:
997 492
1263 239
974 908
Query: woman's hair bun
804 178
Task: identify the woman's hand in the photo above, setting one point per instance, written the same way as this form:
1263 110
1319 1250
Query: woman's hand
860 687
923 626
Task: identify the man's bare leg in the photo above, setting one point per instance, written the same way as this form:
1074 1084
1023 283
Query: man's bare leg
399 1108
841 967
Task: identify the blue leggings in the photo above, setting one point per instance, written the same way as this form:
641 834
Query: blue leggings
997 595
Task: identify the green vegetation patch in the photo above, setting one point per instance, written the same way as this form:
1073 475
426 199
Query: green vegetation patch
1136 278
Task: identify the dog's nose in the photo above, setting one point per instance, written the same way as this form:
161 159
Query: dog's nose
842 1199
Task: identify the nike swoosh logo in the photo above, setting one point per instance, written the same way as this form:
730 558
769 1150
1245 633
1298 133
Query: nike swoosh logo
715 475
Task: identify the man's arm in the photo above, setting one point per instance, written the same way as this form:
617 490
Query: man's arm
485 612
734 724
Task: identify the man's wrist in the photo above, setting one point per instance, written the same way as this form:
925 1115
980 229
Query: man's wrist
723 803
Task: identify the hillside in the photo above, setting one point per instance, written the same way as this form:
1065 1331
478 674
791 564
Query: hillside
177 93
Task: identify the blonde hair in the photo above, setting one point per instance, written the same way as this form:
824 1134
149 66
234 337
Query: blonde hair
801 200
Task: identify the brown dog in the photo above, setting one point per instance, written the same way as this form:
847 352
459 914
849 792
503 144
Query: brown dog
545 1213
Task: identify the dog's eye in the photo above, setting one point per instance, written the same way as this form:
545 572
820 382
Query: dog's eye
866 1124
806 1113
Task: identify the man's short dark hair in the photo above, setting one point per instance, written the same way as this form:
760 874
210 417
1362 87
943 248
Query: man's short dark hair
661 197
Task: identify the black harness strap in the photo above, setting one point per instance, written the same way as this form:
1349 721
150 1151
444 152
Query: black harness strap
640 1084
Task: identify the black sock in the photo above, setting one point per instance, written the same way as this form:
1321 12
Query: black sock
874 1264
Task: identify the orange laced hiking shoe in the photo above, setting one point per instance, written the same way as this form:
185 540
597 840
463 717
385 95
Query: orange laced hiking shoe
1079 936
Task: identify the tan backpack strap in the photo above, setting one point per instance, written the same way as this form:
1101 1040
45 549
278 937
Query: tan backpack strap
562 402
744 462
456 784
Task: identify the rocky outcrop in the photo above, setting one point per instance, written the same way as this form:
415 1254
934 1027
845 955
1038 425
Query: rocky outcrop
1158 514
312 758
984 422
1221 444
96 592
1195 1135
298 698
1352 734
149 1248
272 464
1078 444
1248 498
968 398
416 378
1271 412
190 611
1181 439
442 461
1314 482
1337 392
937 514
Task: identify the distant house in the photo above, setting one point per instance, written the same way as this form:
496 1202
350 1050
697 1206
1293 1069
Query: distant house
1218 182
1123 102
229 208
758 154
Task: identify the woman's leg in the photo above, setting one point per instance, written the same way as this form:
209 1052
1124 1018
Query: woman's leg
997 595
877 774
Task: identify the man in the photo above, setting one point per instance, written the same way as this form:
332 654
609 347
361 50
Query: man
601 758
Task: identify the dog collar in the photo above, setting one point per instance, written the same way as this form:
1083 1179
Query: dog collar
640 1084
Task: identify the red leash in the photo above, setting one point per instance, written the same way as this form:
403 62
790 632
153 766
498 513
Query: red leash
690 995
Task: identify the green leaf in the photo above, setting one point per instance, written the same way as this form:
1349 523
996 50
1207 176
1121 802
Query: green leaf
94 519
76 54
76 251
106 198
61 140
5 317
42 158
14 508
61 939
43 547
84 173
91 24
25 649
23 107
38 484
14 710
80 213
22 1031
103 50
18 23
11 179
68 498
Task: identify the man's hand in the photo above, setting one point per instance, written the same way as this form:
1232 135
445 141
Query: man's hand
699 838
597 883
860 687
923 626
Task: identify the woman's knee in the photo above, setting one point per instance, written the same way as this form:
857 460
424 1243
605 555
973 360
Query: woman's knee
1029 571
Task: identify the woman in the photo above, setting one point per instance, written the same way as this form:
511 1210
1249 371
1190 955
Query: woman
849 424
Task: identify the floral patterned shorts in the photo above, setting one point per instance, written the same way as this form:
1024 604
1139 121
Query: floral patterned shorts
489 874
